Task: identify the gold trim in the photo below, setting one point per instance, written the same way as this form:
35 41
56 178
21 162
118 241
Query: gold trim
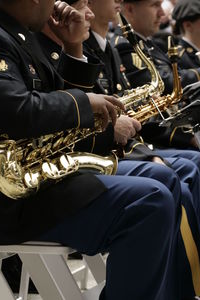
79 85
191 251
196 73
133 147
172 135
76 104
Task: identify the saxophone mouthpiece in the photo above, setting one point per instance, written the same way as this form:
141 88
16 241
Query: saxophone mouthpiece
127 30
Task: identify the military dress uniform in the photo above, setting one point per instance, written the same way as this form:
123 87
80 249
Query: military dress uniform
34 102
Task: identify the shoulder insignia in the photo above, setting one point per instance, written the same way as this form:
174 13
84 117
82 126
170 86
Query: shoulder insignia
3 65
189 50
137 62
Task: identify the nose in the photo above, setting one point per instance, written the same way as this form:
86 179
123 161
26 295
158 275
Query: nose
89 15
161 12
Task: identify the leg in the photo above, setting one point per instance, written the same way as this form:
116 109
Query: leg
124 221
148 169
192 155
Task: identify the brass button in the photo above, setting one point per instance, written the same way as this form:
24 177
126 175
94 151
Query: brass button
101 75
119 87
189 50
55 55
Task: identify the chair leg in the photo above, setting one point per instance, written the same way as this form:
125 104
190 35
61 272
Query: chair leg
24 284
97 266
6 292
51 276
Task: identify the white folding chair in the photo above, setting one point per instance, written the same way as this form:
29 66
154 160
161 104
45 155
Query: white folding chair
46 264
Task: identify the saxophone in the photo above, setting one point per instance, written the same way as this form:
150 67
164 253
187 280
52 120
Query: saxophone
155 102
26 164
134 98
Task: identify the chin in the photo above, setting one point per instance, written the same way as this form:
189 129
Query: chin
86 36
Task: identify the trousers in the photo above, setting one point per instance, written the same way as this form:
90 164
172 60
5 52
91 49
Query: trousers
135 222
182 182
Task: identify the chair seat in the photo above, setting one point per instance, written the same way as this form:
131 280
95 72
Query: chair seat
46 264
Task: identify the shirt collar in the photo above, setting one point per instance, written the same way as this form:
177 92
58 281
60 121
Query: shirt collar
101 41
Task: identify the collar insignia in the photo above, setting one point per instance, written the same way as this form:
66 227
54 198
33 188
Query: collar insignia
3 65
32 70
55 55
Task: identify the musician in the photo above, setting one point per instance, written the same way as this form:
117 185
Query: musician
187 17
135 11
34 102
138 73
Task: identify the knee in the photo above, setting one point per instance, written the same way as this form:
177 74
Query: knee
167 176
164 204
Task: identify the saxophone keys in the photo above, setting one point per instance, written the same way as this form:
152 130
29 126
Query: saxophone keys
32 180
64 166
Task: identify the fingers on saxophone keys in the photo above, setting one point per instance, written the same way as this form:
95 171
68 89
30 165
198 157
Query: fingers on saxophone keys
115 102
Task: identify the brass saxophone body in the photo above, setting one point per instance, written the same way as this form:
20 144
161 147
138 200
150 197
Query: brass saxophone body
147 101
26 164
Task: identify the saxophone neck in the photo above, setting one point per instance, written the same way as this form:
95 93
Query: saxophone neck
128 32
173 56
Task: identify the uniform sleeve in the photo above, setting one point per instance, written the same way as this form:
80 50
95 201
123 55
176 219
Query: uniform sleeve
137 150
165 136
79 74
30 113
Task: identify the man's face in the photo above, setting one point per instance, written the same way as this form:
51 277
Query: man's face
146 16
192 28
105 10
82 7
44 11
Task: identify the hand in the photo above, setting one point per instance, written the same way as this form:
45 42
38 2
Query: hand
67 23
125 129
105 107
158 160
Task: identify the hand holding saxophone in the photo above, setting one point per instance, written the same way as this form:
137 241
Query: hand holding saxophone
125 129
107 107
